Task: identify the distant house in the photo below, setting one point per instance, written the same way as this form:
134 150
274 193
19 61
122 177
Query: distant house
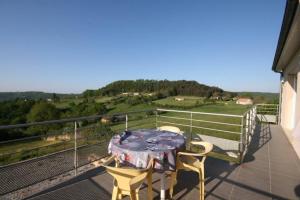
215 97
49 100
136 94
179 99
53 138
149 94
244 101
106 119
109 119
125 94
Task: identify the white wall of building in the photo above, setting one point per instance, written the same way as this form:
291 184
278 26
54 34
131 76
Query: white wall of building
290 106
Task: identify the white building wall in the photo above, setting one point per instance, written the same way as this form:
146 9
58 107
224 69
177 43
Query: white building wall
290 106
297 111
288 102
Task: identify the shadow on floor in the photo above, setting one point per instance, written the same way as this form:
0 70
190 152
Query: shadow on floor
262 135
297 191
85 178
224 180
214 168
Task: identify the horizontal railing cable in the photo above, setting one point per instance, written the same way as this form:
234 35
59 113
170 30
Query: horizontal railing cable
212 129
198 120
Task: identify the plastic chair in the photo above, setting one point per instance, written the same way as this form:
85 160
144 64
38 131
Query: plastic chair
192 162
173 129
127 181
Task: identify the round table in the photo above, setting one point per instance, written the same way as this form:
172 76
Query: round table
136 148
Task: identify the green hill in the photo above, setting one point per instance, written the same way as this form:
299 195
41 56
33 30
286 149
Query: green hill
165 87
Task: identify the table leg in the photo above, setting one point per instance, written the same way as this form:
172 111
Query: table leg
163 186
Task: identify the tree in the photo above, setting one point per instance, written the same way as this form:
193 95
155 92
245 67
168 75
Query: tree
55 97
43 111
85 108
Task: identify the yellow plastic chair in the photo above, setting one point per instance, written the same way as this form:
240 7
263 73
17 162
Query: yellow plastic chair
192 162
173 129
127 181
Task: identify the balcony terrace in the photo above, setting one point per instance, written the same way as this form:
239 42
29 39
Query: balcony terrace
270 170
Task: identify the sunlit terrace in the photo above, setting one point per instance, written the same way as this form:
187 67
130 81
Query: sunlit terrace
251 159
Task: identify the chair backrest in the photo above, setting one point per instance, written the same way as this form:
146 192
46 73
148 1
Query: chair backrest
207 146
170 128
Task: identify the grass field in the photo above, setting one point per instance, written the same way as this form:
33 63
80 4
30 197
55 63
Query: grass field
103 99
225 108
187 101
24 145
123 107
65 103
14 152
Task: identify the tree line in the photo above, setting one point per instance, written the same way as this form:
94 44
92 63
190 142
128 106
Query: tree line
164 87
21 111
5 96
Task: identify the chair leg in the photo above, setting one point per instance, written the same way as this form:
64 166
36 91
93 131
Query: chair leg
133 195
120 196
172 183
201 183
149 189
137 196
115 194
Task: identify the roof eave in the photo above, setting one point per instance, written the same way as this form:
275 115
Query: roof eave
289 14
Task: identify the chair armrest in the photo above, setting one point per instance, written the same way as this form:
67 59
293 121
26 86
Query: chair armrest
109 160
189 154
181 133
207 146
196 142
150 164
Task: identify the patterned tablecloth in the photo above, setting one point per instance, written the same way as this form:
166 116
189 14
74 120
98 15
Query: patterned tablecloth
135 148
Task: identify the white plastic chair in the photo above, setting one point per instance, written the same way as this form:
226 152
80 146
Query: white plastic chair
190 161
173 129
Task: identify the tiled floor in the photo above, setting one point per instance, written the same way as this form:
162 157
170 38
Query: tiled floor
271 171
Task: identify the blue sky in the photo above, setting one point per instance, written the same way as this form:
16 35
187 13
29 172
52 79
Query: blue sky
70 46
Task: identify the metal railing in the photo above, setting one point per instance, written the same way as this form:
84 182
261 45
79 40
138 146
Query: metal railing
80 144
73 147
262 113
268 113
223 130
249 122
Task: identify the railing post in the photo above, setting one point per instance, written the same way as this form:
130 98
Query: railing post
251 120
191 128
126 123
75 148
156 114
255 115
278 113
247 123
242 143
